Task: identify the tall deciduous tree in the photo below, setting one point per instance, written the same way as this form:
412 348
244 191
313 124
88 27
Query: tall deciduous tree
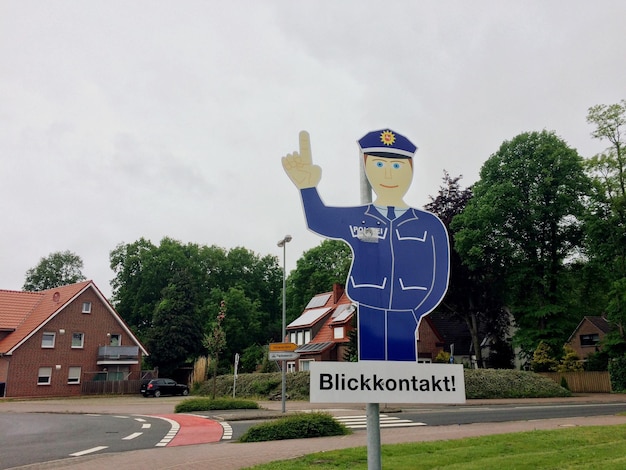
522 224
145 274
176 335
57 269
606 226
472 294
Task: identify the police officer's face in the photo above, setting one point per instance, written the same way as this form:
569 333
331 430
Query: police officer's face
389 176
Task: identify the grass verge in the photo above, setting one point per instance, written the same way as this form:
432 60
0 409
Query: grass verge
592 447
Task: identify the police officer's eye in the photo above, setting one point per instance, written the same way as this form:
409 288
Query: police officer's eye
379 164
396 166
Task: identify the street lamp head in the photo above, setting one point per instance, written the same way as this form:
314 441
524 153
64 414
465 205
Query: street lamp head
282 242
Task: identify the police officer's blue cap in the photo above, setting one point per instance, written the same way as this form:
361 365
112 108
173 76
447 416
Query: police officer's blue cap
387 143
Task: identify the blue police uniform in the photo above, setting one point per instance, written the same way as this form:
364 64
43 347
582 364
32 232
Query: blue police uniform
399 269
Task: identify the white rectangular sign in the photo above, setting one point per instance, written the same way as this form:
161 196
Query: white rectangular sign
283 356
386 382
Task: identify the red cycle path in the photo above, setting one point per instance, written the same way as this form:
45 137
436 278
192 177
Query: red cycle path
194 430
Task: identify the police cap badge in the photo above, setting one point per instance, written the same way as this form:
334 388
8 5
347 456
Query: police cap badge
387 143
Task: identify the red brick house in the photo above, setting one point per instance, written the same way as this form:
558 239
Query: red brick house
321 331
587 336
53 341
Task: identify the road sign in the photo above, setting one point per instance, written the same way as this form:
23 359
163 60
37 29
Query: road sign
290 347
283 355
386 382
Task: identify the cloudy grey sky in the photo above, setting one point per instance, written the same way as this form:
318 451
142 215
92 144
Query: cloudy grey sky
128 119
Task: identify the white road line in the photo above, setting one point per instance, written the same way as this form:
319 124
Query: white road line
360 422
132 436
122 417
141 420
171 434
146 426
228 431
88 451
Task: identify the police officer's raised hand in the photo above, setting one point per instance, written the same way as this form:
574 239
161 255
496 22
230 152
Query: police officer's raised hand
299 165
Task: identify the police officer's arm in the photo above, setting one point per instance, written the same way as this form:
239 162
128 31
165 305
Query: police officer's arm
299 165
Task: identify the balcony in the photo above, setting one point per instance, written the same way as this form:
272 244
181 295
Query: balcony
111 355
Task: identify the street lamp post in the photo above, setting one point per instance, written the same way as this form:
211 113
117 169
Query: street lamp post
283 244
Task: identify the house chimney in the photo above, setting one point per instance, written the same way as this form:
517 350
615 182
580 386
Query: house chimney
337 292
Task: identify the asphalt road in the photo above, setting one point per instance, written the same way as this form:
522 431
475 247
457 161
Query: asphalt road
505 413
45 431
27 438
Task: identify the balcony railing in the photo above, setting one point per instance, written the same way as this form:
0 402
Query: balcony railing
118 354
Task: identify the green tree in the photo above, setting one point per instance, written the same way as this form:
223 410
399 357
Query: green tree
316 271
215 341
248 282
472 293
242 326
606 224
57 269
176 334
522 224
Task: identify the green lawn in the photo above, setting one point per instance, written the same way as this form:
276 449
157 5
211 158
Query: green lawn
593 447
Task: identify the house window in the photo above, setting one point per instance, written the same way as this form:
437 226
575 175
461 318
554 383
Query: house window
304 364
47 340
307 336
116 340
589 340
44 376
300 338
338 332
73 376
291 367
86 307
78 340
292 337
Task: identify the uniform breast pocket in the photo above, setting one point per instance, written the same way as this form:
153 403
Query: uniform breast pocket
410 234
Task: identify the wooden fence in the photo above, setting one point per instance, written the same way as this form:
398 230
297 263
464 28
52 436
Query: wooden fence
113 383
583 382
111 387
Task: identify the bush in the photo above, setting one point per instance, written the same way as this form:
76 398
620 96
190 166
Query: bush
259 386
206 404
479 383
597 361
504 383
617 373
296 426
543 359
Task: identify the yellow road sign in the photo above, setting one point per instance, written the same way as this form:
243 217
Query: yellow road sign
275 347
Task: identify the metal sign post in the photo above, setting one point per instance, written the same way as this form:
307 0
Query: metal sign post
235 375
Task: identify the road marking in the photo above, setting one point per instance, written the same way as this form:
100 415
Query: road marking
175 427
88 451
360 422
146 426
228 431
132 436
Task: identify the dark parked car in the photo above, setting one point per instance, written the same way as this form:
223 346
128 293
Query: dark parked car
158 387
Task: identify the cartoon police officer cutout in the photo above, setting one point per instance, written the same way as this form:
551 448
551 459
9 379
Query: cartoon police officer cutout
400 255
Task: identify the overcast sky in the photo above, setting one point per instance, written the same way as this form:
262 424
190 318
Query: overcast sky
128 119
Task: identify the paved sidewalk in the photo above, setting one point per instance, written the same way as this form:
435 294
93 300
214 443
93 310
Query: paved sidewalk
231 455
